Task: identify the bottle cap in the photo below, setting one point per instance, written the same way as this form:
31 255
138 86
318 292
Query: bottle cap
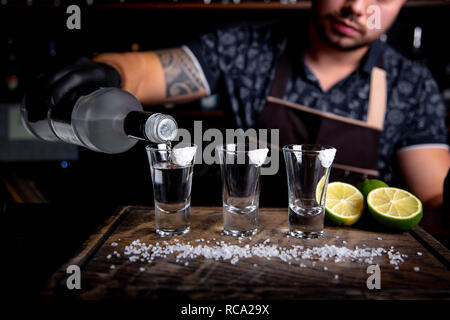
161 128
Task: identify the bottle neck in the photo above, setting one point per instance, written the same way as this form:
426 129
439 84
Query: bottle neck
154 127
135 123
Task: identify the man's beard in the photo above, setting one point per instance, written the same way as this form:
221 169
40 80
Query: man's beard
322 32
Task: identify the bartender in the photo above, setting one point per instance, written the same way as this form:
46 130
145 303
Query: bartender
341 87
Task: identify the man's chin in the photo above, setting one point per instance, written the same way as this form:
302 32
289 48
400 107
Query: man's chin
341 42
346 44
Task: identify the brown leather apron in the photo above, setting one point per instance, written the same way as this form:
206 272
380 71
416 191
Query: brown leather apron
357 142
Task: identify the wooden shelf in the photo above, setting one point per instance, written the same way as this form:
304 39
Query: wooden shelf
200 5
213 6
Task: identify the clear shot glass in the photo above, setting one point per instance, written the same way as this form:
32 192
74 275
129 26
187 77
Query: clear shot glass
171 171
308 169
240 166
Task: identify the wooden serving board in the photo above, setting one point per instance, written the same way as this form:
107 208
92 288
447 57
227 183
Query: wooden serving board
255 277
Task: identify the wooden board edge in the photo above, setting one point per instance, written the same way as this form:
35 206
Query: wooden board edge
88 248
436 248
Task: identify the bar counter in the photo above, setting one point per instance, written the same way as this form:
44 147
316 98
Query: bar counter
412 265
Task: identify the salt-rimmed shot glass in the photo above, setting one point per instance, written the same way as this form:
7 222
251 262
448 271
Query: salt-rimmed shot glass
308 169
240 166
171 171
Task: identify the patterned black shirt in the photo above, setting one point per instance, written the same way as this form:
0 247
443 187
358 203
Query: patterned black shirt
244 59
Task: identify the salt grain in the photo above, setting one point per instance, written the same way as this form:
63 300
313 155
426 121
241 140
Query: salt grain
112 267
416 269
379 238
114 244
419 253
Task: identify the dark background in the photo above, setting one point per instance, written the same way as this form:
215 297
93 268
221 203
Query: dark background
54 204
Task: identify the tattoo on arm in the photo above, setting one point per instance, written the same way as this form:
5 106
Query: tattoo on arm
181 76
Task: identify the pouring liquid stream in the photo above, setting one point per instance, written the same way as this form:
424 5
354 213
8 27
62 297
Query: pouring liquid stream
169 151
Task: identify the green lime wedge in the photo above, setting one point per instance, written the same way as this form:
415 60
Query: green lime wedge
395 208
344 204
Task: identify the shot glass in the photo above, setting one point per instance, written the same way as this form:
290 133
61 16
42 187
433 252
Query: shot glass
171 171
240 166
308 169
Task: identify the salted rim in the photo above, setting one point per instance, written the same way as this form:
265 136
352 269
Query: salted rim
290 148
222 148
326 154
163 147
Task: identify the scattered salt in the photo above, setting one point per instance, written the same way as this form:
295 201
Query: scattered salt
108 256
416 269
141 269
336 276
379 238
112 267
114 244
419 253
139 251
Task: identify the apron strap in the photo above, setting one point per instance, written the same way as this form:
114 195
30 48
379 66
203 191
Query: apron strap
377 99
282 73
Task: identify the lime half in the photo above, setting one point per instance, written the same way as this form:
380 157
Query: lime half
344 204
395 208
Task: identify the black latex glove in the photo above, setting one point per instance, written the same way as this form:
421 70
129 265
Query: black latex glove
66 85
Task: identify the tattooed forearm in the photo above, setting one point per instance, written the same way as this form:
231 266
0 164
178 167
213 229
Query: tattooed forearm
181 76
